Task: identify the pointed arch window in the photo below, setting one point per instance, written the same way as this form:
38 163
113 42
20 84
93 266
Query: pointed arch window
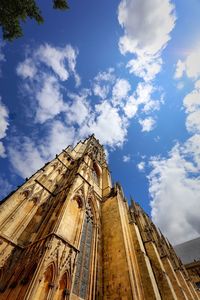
81 281
96 174
47 283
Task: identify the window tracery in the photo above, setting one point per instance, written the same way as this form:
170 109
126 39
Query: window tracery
81 281
96 175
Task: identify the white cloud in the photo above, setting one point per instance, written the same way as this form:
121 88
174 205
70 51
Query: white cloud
192 149
191 103
120 91
145 66
147 124
144 92
180 68
79 110
180 85
4 123
126 158
108 76
61 60
192 122
27 69
102 83
43 72
141 166
100 90
197 84
25 157
28 155
174 180
131 107
58 137
50 99
142 97
175 192
147 25
190 66
107 125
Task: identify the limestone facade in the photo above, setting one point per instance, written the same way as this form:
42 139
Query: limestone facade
67 233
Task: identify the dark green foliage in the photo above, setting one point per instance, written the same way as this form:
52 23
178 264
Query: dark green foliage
60 4
12 12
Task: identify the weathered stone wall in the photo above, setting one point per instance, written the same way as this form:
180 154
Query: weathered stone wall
66 233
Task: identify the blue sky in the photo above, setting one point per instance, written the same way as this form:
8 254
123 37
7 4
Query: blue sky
128 71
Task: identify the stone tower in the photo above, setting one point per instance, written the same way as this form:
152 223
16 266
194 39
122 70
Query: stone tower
67 233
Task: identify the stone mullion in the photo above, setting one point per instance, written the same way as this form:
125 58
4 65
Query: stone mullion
83 259
35 282
68 196
80 225
25 221
93 262
47 217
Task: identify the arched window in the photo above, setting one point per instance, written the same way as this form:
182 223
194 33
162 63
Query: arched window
96 174
73 218
46 283
63 288
81 281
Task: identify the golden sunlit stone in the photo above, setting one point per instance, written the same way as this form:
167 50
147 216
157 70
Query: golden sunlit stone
67 233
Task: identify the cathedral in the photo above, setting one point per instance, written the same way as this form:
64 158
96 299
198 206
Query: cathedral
67 233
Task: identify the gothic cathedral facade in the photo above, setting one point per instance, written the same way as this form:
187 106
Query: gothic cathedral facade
67 233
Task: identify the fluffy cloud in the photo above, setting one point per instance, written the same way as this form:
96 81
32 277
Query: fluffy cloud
102 83
120 91
57 58
112 134
180 68
101 91
43 72
4 123
191 103
147 25
189 66
131 107
28 155
65 116
147 124
27 69
126 158
79 110
174 180
145 66
142 98
175 192
50 100
25 156
141 166
59 136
